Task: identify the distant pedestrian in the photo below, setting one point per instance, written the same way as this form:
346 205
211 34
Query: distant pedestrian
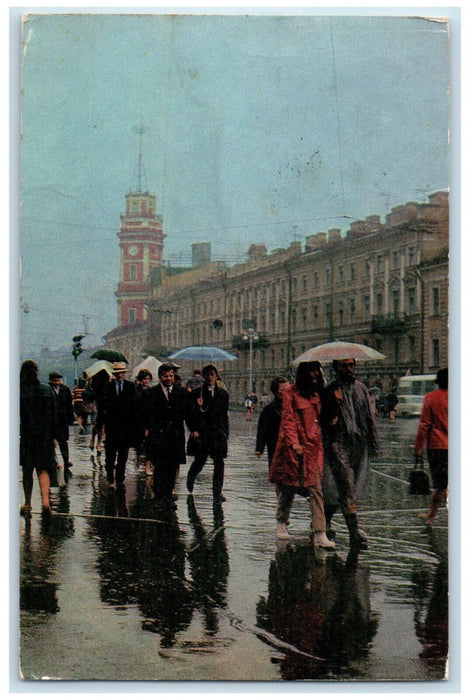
196 381
349 436
433 433
167 413
118 414
37 430
269 420
297 464
142 395
64 418
392 401
249 407
209 426
99 382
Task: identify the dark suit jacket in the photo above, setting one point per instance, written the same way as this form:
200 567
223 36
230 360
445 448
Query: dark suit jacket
165 423
118 411
63 411
211 420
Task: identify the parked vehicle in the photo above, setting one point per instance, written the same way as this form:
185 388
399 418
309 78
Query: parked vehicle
411 392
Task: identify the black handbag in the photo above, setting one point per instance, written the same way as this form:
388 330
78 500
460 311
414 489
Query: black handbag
419 480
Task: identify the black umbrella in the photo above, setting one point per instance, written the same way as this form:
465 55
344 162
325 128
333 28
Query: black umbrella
109 355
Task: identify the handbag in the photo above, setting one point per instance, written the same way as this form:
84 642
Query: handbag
193 446
419 480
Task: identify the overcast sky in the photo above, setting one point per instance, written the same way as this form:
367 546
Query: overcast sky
259 129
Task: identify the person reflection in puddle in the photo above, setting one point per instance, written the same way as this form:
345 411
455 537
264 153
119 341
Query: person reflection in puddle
209 564
320 607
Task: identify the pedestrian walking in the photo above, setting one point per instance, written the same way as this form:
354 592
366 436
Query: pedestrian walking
269 420
37 430
167 413
99 382
433 433
392 401
349 437
209 426
118 410
64 418
297 464
142 394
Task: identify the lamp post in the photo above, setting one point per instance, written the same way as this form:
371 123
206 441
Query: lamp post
250 334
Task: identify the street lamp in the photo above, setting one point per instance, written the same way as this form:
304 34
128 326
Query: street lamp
250 334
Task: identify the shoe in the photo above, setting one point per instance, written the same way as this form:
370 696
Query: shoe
426 519
25 510
190 483
321 540
281 532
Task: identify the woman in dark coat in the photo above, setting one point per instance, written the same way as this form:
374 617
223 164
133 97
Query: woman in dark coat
298 458
37 426
270 420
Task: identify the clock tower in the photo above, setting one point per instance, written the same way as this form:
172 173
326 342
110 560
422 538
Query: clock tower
141 246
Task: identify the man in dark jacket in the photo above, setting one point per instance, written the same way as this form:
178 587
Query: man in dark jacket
270 420
209 430
118 412
64 417
167 412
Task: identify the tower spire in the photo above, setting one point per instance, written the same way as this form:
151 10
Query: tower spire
140 129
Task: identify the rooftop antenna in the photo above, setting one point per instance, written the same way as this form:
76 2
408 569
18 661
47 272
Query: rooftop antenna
140 129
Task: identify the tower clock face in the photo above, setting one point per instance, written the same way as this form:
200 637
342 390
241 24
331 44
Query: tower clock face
133 250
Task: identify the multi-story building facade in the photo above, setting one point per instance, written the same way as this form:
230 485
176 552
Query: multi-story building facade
383 285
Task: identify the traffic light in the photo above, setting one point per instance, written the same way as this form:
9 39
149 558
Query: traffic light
77 345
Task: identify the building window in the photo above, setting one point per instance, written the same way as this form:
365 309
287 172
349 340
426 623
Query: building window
352 273
132 273
315 316
380 263
294 319
380 304
435 352
327 313
366 306
396 349
315 280
304 319
411 255
341 313
366 268
396 260
352 309
304 283
327 276
411 301
341 273
131 316
435 301
411 342
395 302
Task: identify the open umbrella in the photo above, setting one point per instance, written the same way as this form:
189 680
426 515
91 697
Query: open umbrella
109 355
99 366
203 353
339 350
151 363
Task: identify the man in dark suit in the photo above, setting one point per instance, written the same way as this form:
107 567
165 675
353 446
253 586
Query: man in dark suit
167 413
209 430
63 418
118 413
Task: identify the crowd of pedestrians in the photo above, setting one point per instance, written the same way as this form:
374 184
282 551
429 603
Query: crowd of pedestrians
318 436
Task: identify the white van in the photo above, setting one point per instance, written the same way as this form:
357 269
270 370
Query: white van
411 391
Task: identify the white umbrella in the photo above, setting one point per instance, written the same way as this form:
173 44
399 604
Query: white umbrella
99 366
339 350
151 363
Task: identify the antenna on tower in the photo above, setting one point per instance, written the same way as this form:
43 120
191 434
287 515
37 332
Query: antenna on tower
140 129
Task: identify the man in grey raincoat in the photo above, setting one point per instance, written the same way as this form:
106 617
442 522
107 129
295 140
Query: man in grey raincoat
349 436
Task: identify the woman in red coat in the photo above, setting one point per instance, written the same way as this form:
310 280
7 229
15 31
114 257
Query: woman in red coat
297 464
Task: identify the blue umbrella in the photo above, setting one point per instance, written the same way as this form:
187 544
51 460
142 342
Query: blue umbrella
203 353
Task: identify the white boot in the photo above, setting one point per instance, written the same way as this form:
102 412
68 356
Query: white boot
281 532
321 540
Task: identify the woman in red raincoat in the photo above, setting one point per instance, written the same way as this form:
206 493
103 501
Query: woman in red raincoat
297 464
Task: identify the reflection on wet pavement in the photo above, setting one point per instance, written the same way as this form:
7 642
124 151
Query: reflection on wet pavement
128 591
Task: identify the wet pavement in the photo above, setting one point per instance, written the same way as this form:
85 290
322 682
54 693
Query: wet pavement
115 589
